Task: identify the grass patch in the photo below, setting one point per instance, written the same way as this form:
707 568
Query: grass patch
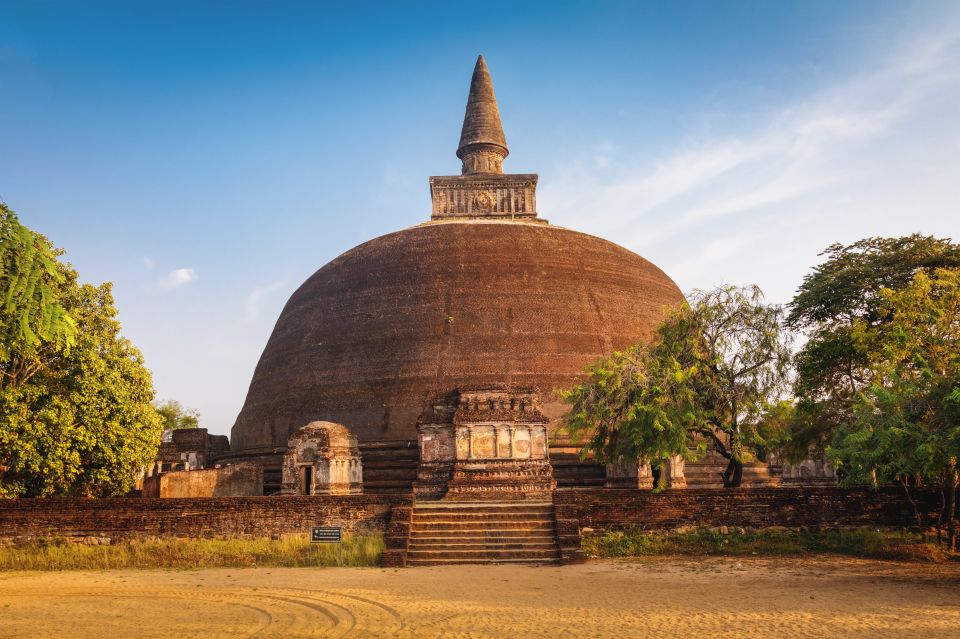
867 543
54 554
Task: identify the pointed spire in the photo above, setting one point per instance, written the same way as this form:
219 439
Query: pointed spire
482 143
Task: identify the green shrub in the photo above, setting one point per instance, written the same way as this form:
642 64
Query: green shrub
864 542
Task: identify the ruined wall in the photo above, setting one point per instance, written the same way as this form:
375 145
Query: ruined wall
212 517
750 507
595 508
237 480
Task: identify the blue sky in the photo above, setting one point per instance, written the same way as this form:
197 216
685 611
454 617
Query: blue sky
207 157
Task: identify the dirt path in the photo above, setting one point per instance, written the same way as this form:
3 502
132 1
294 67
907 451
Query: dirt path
824 597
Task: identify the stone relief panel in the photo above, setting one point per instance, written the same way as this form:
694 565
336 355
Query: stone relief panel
521 443
482 443
504 442
539 443
463 443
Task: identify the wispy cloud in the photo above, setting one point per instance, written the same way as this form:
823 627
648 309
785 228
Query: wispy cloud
177 278
839 163
258 296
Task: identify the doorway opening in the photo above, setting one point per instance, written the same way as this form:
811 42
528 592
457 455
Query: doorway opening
308 480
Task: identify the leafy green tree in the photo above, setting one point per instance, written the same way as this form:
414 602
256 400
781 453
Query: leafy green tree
81 422
906 425
33 322
711 374
175 416
846 289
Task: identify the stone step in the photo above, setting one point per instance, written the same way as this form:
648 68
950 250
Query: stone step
390 463
580 482
508 513
482 505
374 485
491 525
467 515
487 553
477 532
484 533
470 544
452 562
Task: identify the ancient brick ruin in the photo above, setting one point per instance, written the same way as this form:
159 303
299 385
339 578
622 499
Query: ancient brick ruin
322 459
422 367
485 442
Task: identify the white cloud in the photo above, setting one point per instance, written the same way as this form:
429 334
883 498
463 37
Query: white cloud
257 297
875 153
177 278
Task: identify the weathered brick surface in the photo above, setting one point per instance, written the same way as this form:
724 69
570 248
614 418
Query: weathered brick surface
229 481
210 517
595 508
396 538
441 305
756 508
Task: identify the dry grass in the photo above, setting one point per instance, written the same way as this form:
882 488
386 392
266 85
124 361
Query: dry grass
53 554
866 543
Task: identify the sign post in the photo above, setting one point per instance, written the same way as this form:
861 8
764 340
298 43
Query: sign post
328 535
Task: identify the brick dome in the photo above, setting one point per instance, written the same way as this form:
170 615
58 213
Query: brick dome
372 337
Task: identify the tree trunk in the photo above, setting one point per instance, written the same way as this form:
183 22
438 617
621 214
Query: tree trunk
913 502
733 475
942 515
951 506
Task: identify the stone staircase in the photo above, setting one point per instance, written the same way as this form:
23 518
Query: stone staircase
460 532
389 467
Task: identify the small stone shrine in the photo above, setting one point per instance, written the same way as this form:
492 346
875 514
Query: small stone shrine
322 459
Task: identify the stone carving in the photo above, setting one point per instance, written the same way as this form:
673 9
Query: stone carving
486 441
484 200
470 196
322 459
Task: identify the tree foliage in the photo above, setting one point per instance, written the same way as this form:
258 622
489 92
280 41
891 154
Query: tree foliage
81 422
847 289
176 417
33 322
906 425
708 378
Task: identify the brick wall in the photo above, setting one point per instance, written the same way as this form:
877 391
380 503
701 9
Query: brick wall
199 517
236 480
595 508
752 507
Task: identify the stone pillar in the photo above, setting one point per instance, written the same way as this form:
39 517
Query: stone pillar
674 472
629 474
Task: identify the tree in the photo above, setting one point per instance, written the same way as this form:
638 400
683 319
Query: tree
845 289
33 322
906 425
714 368
176 417
81 422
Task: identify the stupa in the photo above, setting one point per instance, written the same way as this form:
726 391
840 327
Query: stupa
486 299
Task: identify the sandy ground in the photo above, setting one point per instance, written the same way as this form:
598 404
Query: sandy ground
824 597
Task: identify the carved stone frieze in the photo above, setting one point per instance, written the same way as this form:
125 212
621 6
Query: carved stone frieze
488 441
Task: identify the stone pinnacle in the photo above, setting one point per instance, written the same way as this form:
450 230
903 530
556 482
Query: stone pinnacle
482 143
